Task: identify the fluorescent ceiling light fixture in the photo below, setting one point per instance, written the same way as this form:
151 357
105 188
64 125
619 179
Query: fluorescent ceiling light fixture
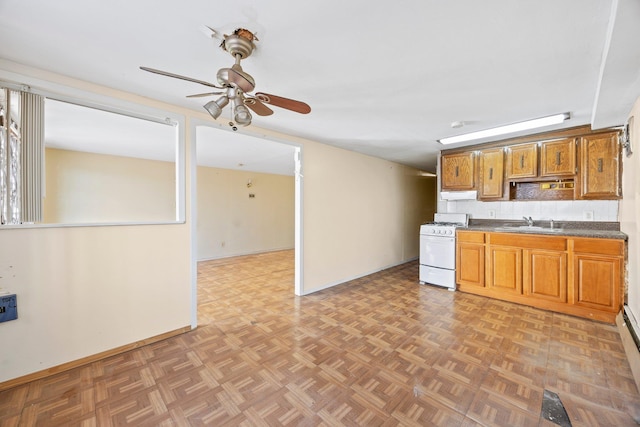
502 130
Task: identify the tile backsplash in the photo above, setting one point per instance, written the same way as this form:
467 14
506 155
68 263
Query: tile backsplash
562 210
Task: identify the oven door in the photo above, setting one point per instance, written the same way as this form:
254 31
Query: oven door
438 251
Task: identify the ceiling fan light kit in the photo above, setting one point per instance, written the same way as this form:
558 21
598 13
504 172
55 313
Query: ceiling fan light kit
215 107
237 84
503 130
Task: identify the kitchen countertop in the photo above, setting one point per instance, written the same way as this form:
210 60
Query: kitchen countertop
593 229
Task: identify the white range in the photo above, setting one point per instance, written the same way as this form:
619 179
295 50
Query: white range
438 249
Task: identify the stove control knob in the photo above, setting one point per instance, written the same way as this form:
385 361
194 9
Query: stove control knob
449 232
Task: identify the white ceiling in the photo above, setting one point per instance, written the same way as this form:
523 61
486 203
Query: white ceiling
382 78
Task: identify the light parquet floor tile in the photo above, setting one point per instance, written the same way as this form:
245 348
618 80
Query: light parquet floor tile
380 350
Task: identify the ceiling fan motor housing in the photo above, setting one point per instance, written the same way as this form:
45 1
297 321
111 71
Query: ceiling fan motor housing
238 45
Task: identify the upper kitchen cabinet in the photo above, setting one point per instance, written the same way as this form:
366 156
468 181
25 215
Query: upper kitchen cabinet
599 167
558 158
568 164
522 161
491 174
458 171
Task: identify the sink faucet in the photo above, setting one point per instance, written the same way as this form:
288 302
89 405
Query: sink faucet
529 221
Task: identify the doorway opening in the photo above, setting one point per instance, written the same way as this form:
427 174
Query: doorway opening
246 199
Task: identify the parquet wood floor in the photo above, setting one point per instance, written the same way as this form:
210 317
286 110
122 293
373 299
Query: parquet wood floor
381 350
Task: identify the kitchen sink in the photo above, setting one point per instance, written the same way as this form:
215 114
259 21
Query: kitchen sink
525 228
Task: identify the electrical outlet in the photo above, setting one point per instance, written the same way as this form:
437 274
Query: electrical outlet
587 215
492 213
8 307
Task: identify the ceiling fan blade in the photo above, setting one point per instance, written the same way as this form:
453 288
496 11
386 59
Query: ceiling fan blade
178 76
258 107
289 104
200 95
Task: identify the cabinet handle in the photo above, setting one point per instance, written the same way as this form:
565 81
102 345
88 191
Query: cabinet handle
490 173
558 158
600 164
522 161
457 168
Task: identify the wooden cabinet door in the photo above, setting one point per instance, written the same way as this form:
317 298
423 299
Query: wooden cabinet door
599 176
470 259
545 274
504 269
522 161
491 174
558 158
597 282
458 171
470 264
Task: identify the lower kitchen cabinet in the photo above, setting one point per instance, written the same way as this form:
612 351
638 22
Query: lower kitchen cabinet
545 275
572 275
597 274
504 269
470 260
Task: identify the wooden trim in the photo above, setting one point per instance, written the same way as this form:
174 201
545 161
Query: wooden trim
89 359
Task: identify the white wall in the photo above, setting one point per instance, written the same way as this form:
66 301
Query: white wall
630 214
231 223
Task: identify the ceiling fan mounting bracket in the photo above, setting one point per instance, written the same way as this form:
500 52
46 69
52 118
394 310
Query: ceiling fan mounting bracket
240 43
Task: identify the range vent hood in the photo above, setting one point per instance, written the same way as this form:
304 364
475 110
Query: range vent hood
458 195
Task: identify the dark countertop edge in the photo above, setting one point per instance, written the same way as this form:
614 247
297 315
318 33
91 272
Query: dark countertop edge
566 231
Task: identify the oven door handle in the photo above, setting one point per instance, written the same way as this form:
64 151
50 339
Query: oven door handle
439 239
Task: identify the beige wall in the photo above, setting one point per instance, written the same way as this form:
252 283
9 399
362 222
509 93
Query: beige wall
360 215
84 290
231 223
97 188
630 212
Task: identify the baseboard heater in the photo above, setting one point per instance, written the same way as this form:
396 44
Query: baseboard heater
630 325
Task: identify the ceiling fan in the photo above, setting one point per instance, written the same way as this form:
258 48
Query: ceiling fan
235 85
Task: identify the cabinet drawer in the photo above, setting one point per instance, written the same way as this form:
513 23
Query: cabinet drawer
599 246
553 243
470 236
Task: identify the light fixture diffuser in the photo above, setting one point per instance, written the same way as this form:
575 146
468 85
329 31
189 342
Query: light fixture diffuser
215 107
502 130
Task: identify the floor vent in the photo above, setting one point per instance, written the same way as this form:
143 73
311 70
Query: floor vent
553 410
